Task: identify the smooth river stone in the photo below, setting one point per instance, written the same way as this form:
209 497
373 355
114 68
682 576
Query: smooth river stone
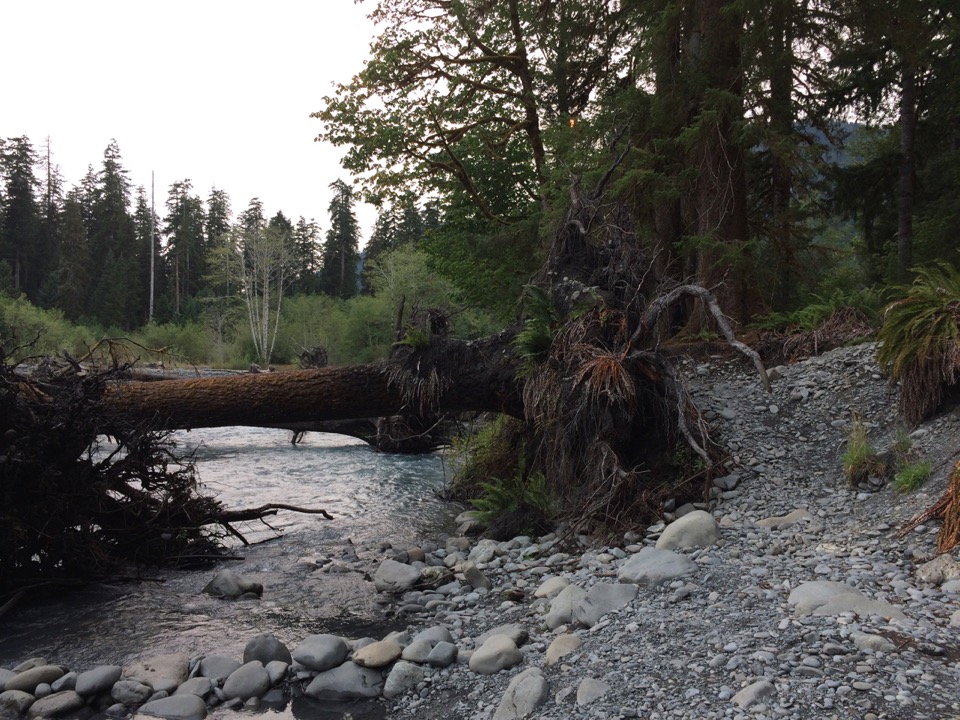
525 693
347 682
601 599
162 672
394 577
28 680
130 692
219 667
16 700
377 654
321 652
57 704
96 681
695 529
402 676
496 654
561 647
266 648
653 567
248 681
176 707
826 597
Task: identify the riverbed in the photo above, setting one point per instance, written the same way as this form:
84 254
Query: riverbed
307 564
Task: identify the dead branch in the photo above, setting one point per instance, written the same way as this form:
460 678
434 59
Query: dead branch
709 300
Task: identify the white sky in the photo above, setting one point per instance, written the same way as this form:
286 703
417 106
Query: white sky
216 91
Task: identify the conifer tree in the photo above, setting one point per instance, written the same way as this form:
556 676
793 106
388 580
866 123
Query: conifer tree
341 255
20 219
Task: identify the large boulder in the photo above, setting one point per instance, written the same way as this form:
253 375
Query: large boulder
825 597
525 693
653 566
497 653
695 529
266 648
321 652
347 682
394 577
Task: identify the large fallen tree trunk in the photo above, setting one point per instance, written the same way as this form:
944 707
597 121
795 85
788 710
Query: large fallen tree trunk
478 376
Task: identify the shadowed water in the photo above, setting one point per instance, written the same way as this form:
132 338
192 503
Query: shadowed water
373 497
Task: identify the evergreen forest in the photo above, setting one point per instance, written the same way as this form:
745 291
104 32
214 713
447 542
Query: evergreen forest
793 156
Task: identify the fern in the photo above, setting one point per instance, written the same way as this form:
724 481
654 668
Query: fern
533 341
920 340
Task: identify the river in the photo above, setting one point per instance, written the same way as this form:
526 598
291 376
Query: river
373 497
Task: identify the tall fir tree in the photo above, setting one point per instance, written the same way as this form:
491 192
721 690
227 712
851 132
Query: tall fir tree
306 250
118 298
341 254
20 221
185 247
69 289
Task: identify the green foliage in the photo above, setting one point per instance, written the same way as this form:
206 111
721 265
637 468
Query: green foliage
21 322
516 493
911 477
923 324
861 460
533 341
495 449
812 315
920 340
190 341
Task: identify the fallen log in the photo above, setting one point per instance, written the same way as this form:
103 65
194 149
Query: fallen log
457 377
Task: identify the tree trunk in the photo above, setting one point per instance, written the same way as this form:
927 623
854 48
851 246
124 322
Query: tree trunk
905 191
459 376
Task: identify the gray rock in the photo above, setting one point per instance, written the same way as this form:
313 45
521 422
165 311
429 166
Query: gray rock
199 686
563 605
227 584
43 689
551 588
29 664
753 694
434 634
96 681
943 568
825 597
590 690
276 671
601 599
516 632
443 655
875 643
266 648
65 682
653 566
484 551
321 652
497 653
695 529
782 522
395 577
162 672
561 647
55 705
248 681
4 676
130 692
16 700
525 693
403 676
347 682
176 707
473 577
218 667
418 651
377 654
28 680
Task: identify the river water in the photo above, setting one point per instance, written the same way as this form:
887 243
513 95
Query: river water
373 497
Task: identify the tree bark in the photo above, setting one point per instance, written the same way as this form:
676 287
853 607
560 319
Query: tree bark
468 376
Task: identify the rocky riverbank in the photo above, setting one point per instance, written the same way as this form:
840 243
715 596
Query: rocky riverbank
789 596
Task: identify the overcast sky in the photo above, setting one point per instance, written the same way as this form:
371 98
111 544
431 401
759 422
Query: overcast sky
216 91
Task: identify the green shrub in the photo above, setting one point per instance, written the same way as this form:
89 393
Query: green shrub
861 461
910 477
920 340
22 323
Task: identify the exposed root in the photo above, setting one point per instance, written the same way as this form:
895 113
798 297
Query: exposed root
946 509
